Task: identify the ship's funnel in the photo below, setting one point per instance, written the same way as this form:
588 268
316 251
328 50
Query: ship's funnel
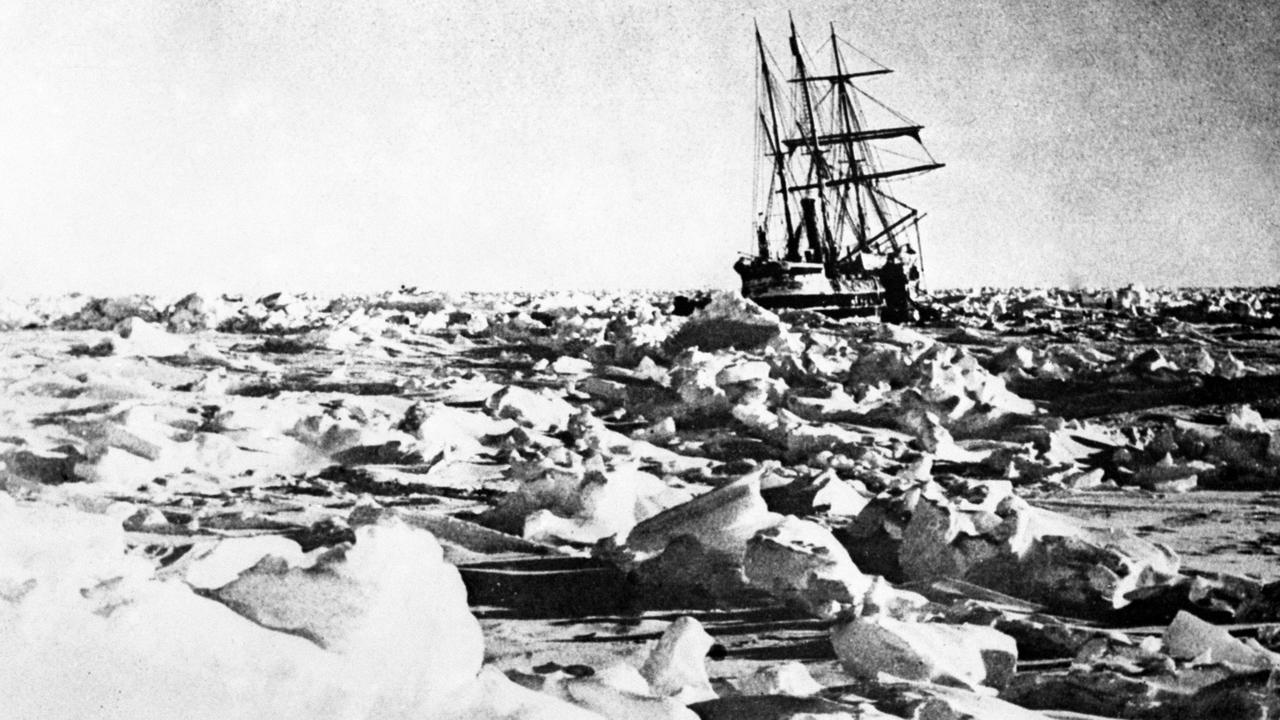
810 218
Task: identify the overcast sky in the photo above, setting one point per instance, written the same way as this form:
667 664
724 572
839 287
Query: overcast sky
246 145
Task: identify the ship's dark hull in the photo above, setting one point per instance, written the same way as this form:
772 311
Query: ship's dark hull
834 304
783 285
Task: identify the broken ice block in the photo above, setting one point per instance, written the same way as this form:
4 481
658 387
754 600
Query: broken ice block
969 654
802 561
677 666
790 678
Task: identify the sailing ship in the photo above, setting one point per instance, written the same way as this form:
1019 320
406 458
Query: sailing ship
829 234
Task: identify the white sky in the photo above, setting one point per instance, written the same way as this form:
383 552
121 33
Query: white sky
254 145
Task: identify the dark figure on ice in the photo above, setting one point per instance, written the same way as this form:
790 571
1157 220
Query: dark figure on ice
897 299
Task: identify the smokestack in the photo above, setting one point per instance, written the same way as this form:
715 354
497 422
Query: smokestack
810 217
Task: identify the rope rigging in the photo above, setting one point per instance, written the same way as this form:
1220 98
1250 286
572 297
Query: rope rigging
822 147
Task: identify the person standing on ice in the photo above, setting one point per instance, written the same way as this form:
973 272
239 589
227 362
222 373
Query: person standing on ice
897 301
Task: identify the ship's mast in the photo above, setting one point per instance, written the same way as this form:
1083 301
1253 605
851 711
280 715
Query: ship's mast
851 128
775 146
848 126
817 158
